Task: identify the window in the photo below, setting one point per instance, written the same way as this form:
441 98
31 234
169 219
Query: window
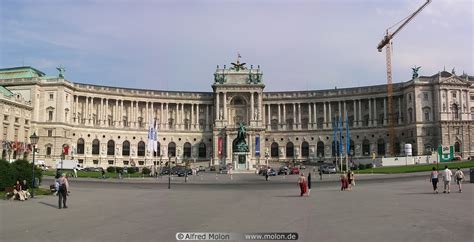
95 162
5 117
80 146
455 110
172 149
454 94
426 114
158 149
110 147
95 147
320 149
141 148
126 148
51 96
425 96
290 152
409 98
48 150
305 149
366 147
456 131
140 162
81 161
111 162
50 115
27 121
274 150
67 96
381 147
125 162
457 147
50 133
17 120
187 150
202 150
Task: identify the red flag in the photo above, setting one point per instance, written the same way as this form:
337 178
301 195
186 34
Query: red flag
219 146
66 150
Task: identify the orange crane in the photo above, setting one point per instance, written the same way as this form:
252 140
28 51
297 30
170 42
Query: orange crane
387 43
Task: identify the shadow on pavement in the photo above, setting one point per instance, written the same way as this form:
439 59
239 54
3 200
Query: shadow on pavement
417 193
48 204
289 196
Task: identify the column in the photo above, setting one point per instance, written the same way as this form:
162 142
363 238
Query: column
115 116
354 122
252 116
206 125
161 117
461 107
86 111
370 112
260 106
269 114
345 111
468 102
299 115
360 113
385 111
100 115
121 112
147 118
315 115
225 106
339 109
166 122
310 116
279 114
284 116
217 106
325 124
197 116
295 123
191 117
182 116
93 111
152 110
76 98
375 112
330 116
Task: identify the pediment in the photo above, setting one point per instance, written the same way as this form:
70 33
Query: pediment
455 81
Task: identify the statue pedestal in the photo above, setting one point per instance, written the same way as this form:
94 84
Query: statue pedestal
241 161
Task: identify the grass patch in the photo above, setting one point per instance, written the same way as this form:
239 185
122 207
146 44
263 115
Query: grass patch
94 174
416 168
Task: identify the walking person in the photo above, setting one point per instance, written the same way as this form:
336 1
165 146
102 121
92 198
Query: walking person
309 184
349 180
434 179
103 173
459 175
303 185
267 172
63 191
447 174
343 181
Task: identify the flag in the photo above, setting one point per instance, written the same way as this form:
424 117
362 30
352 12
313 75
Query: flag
155 137
340 135
334 125
257 145
151 136
348 139
219 146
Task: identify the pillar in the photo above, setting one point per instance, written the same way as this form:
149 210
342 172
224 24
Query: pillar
252 116
385 111
225 105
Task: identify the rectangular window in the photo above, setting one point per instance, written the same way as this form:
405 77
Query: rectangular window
81 161
16 135
425 96
111 162
50 133
125 162
140 162
96 162
5 117
17 120
51 96
454 94
5 131
50 115
456 130
27 121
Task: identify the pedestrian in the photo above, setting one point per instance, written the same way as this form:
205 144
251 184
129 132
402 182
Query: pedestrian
320 174
447 174
459 175
303 185
267 172
434 179
309 184
343 181
75 172
63 191
353 182
230 172
18 191
349 180
103 173
56 184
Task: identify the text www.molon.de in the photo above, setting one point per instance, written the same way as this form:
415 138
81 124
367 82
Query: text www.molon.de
202 236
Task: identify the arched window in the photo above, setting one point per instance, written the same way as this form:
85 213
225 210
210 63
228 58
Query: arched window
457 147
110 147
95 147
141 148
305 149
202 150
126 148
80 146
290 150
320 149
187 150
381 147
274 150
172 149
48 152
365 147
158 149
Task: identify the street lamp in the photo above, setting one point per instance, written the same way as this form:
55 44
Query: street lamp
169 171
9 155
34 140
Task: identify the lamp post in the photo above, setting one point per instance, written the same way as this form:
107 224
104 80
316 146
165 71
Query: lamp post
169 171
9 155
34 140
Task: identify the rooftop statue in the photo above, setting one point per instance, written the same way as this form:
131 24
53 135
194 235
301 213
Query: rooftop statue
415 72
238 66
61 71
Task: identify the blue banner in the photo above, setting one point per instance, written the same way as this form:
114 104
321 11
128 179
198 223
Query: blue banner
257 145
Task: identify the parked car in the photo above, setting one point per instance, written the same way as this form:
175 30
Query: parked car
294 170
223 170
213 168
165 171
328 169
272 172
202 168
182 171
283 171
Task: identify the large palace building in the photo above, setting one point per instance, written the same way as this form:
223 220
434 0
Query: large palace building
108 126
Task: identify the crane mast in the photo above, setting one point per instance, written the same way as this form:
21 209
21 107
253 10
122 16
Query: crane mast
387 43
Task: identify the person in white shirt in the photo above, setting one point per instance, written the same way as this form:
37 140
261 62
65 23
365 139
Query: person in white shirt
447 174
459 176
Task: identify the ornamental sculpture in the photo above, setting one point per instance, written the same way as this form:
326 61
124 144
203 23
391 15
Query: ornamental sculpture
240 143
415 72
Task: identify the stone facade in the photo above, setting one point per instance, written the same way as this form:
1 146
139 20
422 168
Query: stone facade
107 126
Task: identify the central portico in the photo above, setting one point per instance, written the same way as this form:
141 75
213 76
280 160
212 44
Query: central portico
238 96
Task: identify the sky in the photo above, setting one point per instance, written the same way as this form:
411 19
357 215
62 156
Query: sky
176 45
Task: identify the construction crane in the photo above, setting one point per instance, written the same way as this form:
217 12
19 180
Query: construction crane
387 43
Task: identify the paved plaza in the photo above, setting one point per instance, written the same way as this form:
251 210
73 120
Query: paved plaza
378 209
